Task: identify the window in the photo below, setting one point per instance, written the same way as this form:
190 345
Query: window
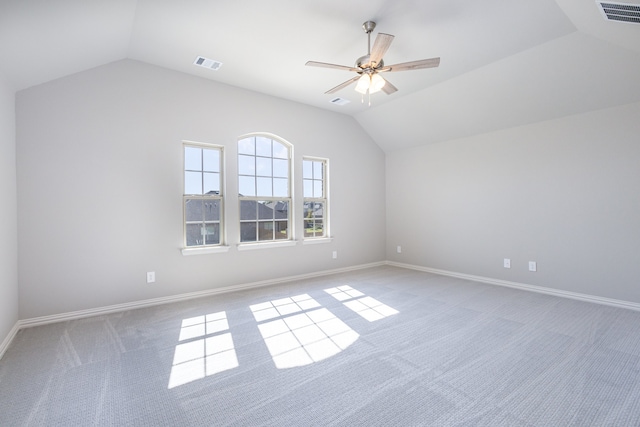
314 179
264 165
203 198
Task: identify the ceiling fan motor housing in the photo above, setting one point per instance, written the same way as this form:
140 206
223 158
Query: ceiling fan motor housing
364 63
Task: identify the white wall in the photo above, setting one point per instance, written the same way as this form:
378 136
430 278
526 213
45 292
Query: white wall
100 181
8 213
564 193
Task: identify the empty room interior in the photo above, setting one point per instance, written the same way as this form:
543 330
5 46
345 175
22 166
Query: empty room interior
319 213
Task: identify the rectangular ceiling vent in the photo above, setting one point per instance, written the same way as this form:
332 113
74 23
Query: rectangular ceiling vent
621 12
208 63
339 101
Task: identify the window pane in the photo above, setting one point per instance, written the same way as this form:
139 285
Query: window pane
247 186
211 210
192 183
319 228
318 210
248 232
308 228
281 168
280 187
248 209
263 146
307 188
212 236
246 165
313 228
281 231
193 210
211 160
281 210
194 234
211 183
192 158
265 230
308 210
264 187
247 146
280 151
317 188
265 210
317 170
263 166
307 169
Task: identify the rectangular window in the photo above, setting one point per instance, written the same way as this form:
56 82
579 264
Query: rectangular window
265 192
203 198
314 180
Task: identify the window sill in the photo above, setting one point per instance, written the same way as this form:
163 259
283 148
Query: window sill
317 240
205 250
265 245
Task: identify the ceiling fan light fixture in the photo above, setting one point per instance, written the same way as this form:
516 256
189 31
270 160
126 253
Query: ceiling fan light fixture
377 83
363 84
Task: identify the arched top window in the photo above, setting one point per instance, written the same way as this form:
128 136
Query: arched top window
264 186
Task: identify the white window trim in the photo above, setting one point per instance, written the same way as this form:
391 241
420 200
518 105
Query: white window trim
204 250
317 240
249 246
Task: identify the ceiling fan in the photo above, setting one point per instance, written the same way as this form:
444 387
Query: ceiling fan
369 66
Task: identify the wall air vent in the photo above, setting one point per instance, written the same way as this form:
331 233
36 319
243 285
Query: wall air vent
207 63
621 12
339 101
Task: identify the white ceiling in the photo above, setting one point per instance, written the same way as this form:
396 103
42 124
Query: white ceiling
504 63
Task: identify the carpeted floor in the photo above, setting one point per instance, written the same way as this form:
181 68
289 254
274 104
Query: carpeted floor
376 347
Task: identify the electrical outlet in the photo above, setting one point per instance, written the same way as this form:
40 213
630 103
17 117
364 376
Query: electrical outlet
533 266
335 255
399 249
507 263
151 276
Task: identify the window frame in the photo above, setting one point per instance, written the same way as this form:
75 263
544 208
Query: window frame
289 199
324 199
220 246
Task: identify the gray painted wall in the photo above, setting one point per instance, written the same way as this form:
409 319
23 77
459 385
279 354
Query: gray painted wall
564 193
100 182
8 213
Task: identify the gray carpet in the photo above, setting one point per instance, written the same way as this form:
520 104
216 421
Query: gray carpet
375 347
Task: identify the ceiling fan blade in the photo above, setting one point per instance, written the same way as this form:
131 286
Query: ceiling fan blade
343 85
327 65
380 47
388 88
413 65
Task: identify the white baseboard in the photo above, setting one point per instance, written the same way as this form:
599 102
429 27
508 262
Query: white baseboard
26 323
525 287
12 334
36 321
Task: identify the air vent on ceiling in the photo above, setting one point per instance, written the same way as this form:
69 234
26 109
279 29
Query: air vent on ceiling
339 101
207 63
621 12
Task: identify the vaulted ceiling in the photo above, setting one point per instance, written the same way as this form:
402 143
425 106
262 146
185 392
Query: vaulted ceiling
503 63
